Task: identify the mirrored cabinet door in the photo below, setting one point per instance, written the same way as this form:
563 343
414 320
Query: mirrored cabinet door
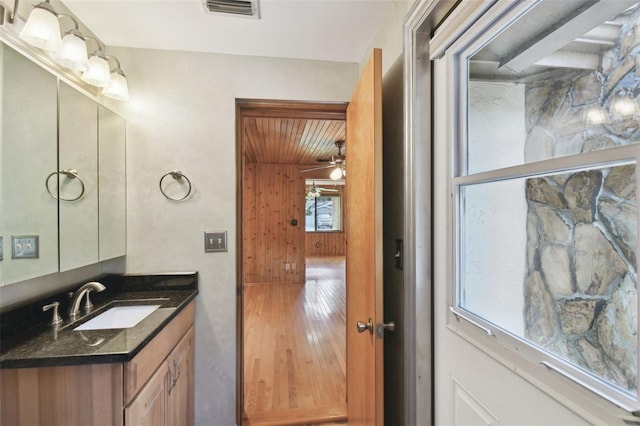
78 179
111 178
28 134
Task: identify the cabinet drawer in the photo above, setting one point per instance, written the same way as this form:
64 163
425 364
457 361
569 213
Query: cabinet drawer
138 371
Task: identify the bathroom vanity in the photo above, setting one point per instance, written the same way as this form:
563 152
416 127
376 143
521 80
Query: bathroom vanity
83 374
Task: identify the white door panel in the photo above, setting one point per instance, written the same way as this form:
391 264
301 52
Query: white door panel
466 409
471 388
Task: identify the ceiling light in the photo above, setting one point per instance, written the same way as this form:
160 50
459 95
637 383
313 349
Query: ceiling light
42 29
118 88
337 173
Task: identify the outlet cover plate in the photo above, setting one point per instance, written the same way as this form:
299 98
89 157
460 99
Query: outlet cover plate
215 241
25 246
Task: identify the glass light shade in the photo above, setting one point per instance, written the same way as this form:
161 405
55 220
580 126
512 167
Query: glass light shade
118 88
42 30
595 115
623 107
73 54
98 73
336 173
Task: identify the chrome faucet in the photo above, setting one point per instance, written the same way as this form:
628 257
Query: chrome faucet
77 298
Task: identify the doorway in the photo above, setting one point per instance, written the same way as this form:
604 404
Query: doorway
291 308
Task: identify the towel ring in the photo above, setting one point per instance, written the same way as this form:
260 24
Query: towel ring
176 174
71 174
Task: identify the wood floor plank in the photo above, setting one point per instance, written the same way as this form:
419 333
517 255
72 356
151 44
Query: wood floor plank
295 348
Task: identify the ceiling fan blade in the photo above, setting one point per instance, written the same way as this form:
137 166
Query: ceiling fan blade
317 168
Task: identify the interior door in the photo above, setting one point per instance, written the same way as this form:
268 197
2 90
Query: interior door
364 248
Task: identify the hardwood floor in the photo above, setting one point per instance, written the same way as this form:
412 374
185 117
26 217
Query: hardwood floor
295 348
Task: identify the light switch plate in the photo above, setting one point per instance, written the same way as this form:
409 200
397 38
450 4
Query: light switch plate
25 246
215 241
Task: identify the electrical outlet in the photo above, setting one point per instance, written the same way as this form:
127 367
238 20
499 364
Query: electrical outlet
24 246
287 266
215 241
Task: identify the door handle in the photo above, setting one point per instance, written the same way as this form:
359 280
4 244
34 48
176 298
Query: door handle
362 326
381 327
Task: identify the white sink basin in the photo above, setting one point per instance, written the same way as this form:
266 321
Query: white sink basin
118 317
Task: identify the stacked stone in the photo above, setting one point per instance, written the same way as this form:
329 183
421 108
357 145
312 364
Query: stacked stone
580 290
580 294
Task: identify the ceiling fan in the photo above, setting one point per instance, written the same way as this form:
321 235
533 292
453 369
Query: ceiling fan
339 162
315 191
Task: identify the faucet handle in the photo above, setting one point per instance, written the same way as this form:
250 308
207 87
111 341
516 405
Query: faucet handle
56 320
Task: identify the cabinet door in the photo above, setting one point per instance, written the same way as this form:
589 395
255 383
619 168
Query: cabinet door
78 196
111 179
28 151
180 382
149 408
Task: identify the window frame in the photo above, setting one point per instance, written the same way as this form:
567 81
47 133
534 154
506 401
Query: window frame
315 223
520 353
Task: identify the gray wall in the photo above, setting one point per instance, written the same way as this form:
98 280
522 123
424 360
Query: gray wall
182 116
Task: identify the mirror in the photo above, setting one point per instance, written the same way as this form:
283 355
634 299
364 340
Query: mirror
62 175
78 193
29 154
112 181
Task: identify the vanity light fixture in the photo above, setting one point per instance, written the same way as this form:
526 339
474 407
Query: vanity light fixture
42 29
98 74
73 53
118 88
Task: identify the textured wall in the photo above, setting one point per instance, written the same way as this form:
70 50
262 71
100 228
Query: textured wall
182 116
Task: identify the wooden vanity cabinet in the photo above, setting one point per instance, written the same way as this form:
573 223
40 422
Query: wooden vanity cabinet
167 398
158 381
155 388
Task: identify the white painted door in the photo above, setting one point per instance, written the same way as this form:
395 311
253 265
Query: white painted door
480 377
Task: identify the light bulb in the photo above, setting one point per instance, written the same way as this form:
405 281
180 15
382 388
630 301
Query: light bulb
336 174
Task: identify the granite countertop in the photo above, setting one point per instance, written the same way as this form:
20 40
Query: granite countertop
33 342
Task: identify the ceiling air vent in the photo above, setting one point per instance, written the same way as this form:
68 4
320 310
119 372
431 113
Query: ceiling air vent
247 8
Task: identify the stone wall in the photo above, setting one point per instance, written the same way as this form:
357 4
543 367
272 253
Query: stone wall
580 291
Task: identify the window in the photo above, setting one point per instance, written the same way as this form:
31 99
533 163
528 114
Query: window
544 187
323 213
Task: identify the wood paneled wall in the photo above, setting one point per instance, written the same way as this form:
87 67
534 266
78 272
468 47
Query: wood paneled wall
273 196
325 244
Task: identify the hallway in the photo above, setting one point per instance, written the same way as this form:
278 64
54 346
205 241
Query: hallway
294 359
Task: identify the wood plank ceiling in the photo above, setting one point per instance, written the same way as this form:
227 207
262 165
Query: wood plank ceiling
277 140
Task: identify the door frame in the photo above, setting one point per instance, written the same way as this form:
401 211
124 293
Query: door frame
420 24
263 108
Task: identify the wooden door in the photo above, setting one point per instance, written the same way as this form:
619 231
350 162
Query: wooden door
364 247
